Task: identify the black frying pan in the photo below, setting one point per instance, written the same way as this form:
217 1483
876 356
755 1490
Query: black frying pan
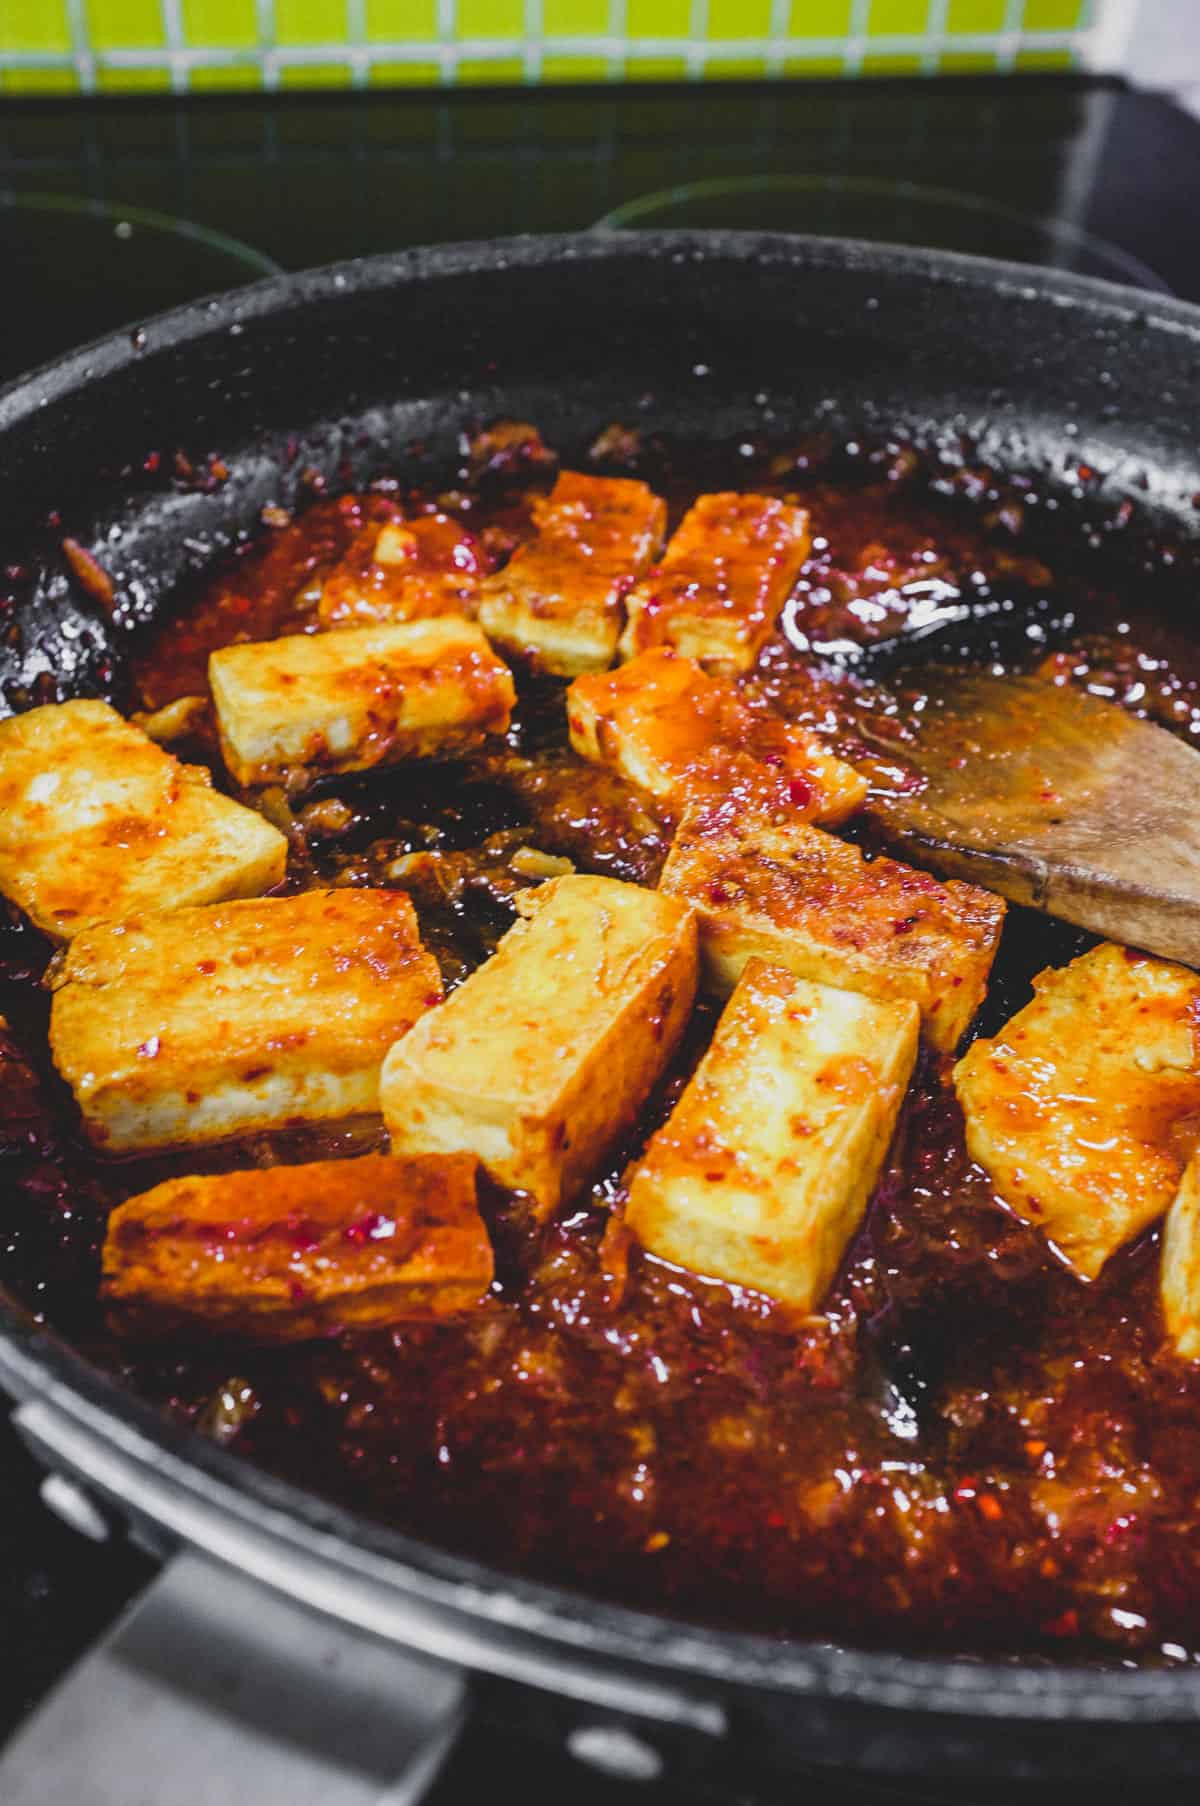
267 1661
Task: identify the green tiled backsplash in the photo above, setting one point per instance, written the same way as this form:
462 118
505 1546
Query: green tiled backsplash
64 46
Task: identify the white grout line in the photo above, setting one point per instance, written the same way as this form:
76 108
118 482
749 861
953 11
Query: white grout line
356 39
935 35
447 28
697 48
853 48
778 27
1010 35
80 58
264 17
533 44
613 47
618 22
176 42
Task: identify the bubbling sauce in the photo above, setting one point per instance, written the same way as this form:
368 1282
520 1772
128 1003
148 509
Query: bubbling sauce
966 1448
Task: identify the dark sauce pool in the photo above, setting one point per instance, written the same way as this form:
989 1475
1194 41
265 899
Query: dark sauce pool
967 1448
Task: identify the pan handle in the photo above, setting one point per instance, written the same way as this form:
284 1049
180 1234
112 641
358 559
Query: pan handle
212 1690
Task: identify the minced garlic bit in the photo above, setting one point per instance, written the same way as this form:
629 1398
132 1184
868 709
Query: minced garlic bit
531 862
173 720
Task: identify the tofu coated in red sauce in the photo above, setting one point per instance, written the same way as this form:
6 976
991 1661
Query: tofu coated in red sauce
966 1447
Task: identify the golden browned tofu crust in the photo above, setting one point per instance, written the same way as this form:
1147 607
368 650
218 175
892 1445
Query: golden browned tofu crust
351 700
543 1058
726 574
762 1172
97 822
404 571
671 729
1180 1274
204 1024
293 1252
798 897
559 599
1085 1108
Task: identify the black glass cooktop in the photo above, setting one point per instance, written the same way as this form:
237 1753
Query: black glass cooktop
112 210
305 180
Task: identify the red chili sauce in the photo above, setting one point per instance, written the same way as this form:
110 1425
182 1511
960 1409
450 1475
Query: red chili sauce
966 1448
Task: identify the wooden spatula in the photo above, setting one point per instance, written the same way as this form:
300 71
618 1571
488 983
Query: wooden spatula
1055 799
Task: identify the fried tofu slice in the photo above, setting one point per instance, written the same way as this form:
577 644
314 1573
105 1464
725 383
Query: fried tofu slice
192 1027
96 821
1180 1277
665 725
404 571
543 1058
762 1172
291 1252
1085 1108
798 897
729 569
559 599
350 700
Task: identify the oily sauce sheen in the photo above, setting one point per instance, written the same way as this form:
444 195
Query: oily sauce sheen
967 1448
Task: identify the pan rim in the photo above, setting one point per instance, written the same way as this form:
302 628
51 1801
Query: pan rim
115 350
